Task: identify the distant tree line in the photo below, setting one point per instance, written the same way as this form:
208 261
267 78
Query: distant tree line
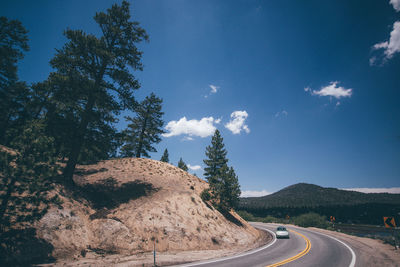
368 213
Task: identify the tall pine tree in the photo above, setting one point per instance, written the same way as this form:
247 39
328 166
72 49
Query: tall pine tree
165 156
230 189
182 165
93 81
223 181
145 129
26 175
13 93
216 154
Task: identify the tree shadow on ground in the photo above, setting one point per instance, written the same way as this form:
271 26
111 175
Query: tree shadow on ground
230 217
23 248
82 171
108 194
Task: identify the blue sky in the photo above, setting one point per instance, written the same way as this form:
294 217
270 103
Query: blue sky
302 91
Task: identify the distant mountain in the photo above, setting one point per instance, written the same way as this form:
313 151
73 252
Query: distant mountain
346 206
310 195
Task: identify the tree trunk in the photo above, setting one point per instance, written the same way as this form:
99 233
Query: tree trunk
140 145
78 139
77 142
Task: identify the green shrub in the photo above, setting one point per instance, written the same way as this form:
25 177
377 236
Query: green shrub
311 220
205 195
246 215
270 219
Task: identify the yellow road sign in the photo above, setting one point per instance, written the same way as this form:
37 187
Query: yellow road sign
389 222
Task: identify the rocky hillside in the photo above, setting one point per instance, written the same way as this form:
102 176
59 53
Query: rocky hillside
122 205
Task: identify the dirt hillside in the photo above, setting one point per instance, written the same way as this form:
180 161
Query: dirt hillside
122 205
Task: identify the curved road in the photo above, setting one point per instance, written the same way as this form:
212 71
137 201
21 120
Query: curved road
304 248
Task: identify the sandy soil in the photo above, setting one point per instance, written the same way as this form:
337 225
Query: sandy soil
162 258
369 252
166 207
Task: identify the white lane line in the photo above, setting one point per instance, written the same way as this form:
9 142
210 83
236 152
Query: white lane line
236 256
353 255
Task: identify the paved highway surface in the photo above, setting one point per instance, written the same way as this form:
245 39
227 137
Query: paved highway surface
303 248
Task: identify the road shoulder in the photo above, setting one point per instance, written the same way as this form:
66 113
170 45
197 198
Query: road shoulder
370 252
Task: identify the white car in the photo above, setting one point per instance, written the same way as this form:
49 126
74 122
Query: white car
281 232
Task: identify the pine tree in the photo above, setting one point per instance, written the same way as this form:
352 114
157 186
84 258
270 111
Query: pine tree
145 129
224 188
13 42
93 81
13 94
165 156
182 165
27 175
216 154
230 190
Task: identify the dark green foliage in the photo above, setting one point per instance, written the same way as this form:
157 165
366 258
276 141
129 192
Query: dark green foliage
27 176
13 42
309 195
346 206
21 247
145 129
13 94
246 216
205 195
165 156
223 181
216 157
311 220
182 165
93 82
229 192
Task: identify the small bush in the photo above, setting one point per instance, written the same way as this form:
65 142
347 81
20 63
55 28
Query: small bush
311 220
271 219
215 241
205 195
246 215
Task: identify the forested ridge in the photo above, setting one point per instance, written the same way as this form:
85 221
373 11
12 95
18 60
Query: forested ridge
346 206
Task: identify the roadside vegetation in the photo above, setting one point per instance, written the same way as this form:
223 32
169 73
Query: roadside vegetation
304 220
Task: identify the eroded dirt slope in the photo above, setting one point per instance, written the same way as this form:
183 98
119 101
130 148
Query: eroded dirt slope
122 205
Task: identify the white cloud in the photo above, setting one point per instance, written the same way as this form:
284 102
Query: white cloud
333 90
395 4
250 193
187 138
390 190
194 167
390 47
307 89
236 124
214 89
202 128
281 113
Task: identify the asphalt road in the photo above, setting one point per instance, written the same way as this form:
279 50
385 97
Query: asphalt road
303 248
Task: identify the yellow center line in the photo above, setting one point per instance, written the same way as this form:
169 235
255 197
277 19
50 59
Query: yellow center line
301 254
